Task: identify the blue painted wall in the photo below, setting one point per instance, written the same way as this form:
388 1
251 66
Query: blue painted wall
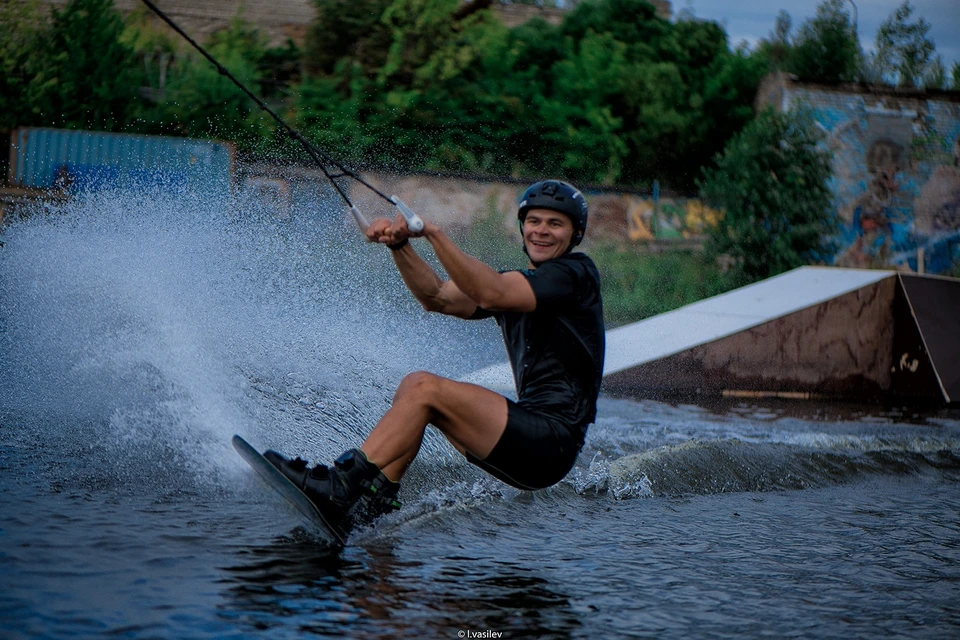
896 174
93 160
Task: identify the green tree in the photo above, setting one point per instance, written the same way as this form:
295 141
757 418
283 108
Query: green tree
421 100
675 113
615 94
634 22
716 101
826 48
781 29
199 102
155 48
777 47
423 31
335 121
497 116
21 57
90 76
279 69
347 29
582 117
772 183
904 50
936 75
955 76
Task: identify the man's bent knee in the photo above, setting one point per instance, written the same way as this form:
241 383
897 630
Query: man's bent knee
421 386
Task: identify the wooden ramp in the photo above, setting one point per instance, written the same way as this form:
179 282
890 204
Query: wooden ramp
814 331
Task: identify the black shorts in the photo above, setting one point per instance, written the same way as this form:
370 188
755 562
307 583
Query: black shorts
533 452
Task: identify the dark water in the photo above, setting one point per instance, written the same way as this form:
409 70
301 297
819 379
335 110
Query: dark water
136 337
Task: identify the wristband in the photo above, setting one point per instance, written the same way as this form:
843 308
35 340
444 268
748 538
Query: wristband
399 245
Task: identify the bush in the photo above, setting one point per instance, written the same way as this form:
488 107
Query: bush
772 183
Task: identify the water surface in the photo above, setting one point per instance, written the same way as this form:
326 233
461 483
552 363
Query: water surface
137 335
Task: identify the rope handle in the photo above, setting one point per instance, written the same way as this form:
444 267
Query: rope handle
414 223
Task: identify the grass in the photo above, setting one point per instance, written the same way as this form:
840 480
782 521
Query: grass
636 284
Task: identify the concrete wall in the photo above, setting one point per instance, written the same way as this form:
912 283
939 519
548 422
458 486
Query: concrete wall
896 170
457 202
613 215
452 202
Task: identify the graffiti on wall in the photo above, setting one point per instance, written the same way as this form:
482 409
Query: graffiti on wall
896 179
648 220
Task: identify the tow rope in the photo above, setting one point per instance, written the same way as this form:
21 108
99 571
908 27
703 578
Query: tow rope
323 159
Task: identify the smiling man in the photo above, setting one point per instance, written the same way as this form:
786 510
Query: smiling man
551 317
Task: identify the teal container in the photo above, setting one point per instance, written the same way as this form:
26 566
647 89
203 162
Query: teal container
95 160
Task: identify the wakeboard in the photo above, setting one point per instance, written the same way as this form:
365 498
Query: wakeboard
297 498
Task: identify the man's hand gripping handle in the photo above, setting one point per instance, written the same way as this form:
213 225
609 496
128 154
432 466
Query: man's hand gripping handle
414 223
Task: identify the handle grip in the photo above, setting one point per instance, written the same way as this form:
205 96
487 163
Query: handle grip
359 219
414 223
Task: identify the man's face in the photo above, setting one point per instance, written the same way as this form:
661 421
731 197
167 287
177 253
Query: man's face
546 234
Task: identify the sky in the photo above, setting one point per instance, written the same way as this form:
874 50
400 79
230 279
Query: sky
752 20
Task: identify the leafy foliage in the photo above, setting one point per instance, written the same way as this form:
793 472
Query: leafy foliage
936 75
21 56
88 77
204 103
154 47
615 94
904 51
771 181
827 48
775 49
279 69
347 30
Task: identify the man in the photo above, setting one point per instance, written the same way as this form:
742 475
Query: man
551 317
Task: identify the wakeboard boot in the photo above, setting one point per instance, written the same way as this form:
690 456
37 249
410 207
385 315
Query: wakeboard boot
333 490
378 499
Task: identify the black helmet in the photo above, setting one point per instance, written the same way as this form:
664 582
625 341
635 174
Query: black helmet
557 196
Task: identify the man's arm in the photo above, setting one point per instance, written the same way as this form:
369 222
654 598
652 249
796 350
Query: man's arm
472 283
427 287
423 282
489 289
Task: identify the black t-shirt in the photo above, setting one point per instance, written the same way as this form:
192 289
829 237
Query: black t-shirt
556 351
